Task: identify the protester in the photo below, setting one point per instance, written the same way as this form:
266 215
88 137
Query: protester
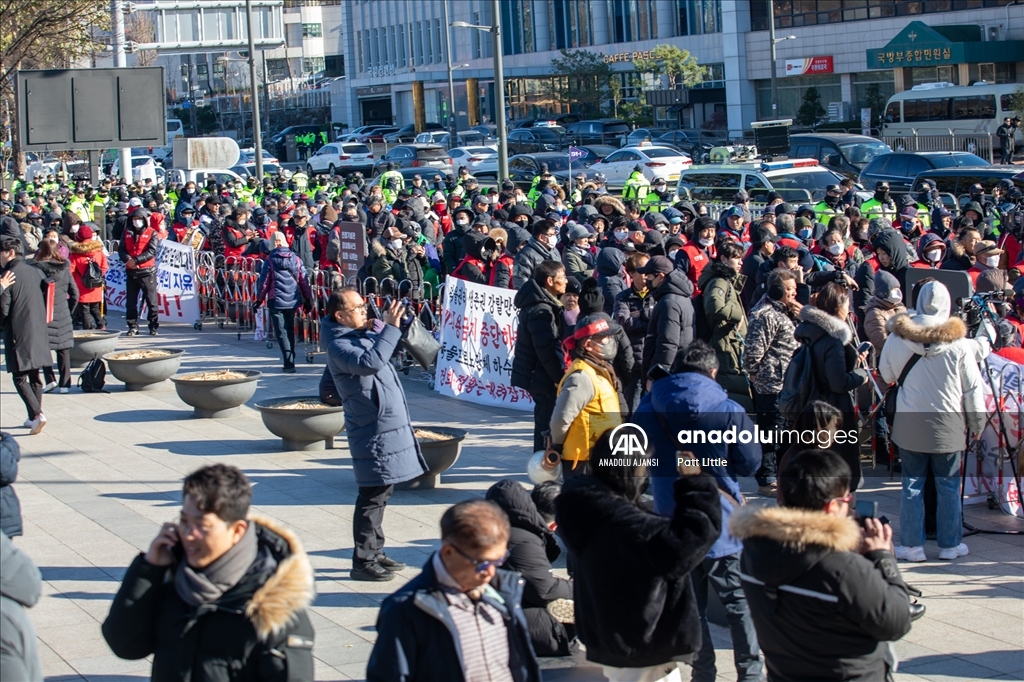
284 288
539 249
25 334
531 549
21 586
826 596
632 312
671 327
138 253
720 286
381 441
461 617
220 590
60 331
84 251
10 507
635 604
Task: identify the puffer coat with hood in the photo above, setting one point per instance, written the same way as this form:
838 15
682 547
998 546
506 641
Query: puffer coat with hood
720 288
532 547
610 275
806 582
671 328
611 209
21 585
539 362
60 332
877 314
892 243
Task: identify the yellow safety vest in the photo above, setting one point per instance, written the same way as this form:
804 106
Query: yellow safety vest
599 415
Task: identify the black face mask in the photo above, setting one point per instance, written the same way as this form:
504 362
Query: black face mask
882 195
831 201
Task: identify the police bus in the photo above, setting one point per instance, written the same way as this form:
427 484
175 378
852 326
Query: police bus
942 108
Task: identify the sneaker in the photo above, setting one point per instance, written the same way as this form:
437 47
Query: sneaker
371 572
768 490
950 553
152 332
913 554
49 387
28 423
64 389
36 425
288 370
132 331
563 610
389 564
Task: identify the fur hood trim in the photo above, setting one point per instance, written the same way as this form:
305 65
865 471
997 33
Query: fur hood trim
288 591
607 199
832 326
86 247
795 529
903 326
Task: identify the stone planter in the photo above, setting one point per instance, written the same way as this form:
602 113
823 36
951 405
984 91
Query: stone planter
144 374
91 344
213 398
302 428
440 455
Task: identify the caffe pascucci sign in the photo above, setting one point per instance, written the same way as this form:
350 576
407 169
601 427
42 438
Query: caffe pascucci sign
627 56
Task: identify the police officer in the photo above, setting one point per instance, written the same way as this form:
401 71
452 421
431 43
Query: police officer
138 253
881 205
636 186
830 206
659 194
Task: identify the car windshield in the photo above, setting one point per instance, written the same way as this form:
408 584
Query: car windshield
660 153
953 160
551 134
811 181
861 153
431 153
482 151
555 163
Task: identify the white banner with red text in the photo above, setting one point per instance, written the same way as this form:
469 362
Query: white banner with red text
175 283
478 338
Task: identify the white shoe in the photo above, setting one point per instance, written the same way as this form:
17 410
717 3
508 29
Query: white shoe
950 553
49 387
28 423
37 424
64 390
913 554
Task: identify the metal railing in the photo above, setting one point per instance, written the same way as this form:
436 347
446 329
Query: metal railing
981 144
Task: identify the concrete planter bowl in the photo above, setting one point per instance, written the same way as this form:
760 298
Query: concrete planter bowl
91 344
216 398
440 455
144 373
302 428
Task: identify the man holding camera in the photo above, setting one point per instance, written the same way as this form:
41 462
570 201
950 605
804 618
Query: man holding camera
811 575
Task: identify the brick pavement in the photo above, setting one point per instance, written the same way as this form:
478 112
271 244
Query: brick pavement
106 471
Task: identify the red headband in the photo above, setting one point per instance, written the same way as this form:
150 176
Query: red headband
591 329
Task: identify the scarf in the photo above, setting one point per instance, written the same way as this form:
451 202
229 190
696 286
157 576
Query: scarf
207 585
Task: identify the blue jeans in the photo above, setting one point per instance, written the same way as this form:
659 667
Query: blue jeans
948 519
723 576
284 329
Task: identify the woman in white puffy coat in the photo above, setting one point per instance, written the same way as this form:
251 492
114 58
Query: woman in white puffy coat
940 400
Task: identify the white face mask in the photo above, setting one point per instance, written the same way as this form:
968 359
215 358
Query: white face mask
895 295
620 234
835 249
138 223
706 241
934 255
397 243
462 222
553 241
992 261
672 253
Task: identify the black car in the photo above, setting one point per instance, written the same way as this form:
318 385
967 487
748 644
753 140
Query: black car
544 121
900 168
599 131
408 133
523 168
953 183
694 143
845 153
535 140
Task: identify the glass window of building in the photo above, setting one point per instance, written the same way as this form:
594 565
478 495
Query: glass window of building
359 52
791 94
312 64
401 44
862 88
790 13
334 66
417 42
714 76
517 26
375 48
438 41
277 69
696 17
312 30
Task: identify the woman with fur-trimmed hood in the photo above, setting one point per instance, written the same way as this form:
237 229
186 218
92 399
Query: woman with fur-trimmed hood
941 397
611 208
221 595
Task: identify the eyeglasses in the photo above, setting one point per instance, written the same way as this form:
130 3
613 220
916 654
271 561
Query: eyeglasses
185 527
845 498
361 306
478 565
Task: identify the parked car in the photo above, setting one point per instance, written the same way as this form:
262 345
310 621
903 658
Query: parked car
799 181
844 153
431 137
952 183
475 159
562 120
248 169
654 162
250 153
600 131
377 136
415 156
523 168
697 144
408 133
201 175
645 135
341 158
900 168
468 138
277 142
535 140
488 130
362 133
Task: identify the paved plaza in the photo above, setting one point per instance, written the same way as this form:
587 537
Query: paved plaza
97 483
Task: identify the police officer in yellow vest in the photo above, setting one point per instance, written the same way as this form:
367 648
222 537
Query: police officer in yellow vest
588 400
830 206
392 173
636 186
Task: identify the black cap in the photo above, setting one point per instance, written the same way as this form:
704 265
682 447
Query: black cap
658 265
763 236
832 188
881 184
785 208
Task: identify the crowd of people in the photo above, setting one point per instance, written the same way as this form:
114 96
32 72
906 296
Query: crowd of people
642 309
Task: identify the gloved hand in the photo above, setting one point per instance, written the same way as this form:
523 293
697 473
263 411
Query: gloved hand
307 307
256 305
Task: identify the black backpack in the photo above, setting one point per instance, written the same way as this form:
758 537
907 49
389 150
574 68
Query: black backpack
93 278
798 384
93 377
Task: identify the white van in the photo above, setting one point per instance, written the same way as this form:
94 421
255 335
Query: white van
175 128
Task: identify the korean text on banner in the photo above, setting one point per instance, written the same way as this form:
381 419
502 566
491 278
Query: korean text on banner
175 283
478 338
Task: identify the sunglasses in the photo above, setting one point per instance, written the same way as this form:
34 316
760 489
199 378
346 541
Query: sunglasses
478 565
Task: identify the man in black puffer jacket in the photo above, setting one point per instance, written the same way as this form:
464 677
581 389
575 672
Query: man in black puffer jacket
539 362
452 248
811 575
220 596
540 248
671 328
532 547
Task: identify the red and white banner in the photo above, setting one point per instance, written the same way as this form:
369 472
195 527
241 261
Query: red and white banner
175 283
809 66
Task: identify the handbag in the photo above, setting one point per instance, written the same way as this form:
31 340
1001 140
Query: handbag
889 404
420 343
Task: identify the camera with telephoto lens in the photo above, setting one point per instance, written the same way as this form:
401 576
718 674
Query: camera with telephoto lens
972 310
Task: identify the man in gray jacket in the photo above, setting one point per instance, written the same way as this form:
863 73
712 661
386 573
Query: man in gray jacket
540 248
20 588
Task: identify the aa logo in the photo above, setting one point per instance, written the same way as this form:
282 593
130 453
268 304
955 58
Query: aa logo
628 440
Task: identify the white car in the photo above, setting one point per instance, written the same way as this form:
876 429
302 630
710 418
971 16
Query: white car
654 162
475 159
431 137
341 157
143 168
250 152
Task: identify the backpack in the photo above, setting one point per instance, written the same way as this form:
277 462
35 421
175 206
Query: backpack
798 384
93 377
93 277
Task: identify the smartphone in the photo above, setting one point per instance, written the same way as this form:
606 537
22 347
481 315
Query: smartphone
866 509
864 347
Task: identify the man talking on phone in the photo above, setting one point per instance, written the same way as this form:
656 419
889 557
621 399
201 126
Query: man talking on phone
812 575
220 595
381 441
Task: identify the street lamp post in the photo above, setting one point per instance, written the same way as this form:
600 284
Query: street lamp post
453 125
499 83
772 41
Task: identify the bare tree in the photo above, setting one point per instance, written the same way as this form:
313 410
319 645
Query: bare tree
140 28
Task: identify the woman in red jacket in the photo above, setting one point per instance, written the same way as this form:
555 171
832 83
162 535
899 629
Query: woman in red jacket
84 251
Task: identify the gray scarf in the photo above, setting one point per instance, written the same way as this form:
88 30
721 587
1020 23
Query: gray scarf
196 587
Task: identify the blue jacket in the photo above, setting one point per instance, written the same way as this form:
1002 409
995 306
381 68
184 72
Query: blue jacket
416 640
380 437
283 281
695 402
